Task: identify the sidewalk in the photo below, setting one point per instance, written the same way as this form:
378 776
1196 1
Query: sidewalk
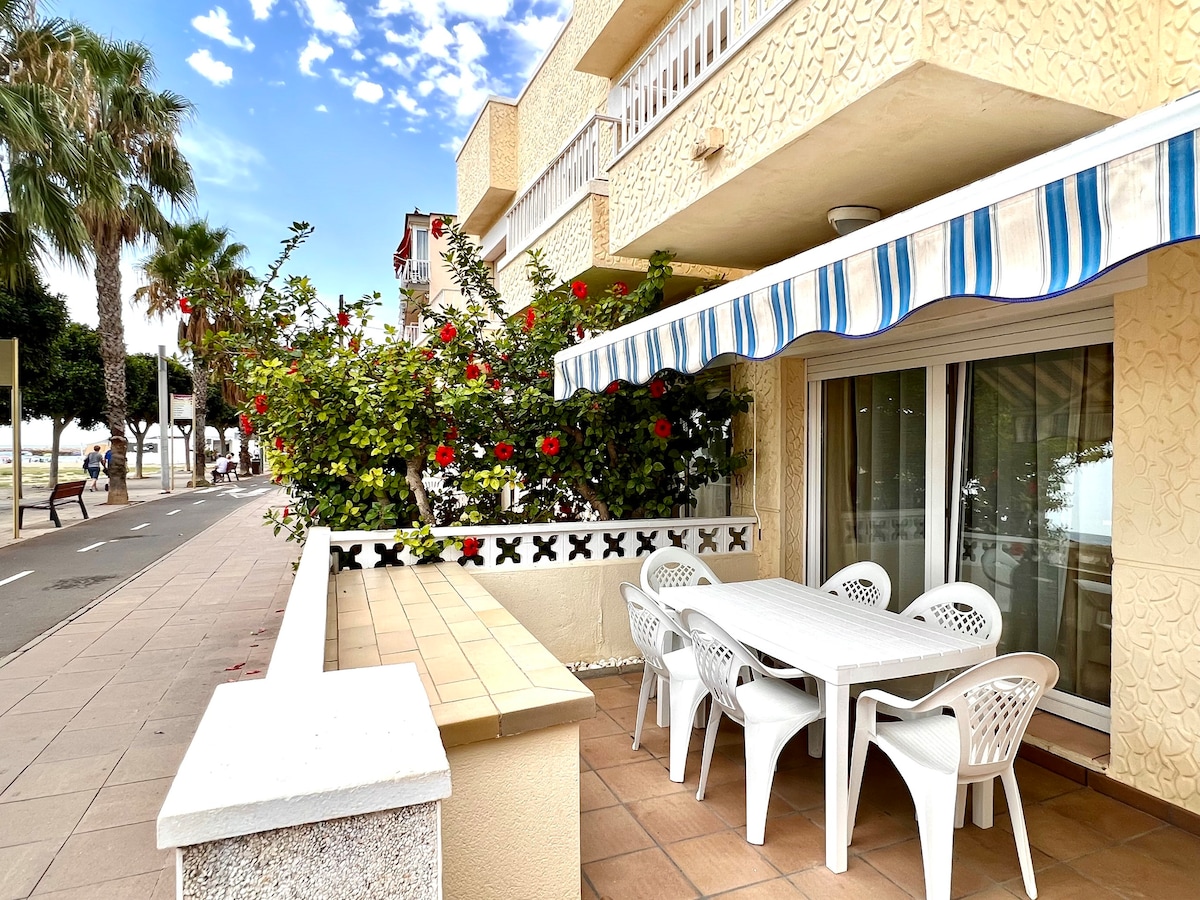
37 521
95 718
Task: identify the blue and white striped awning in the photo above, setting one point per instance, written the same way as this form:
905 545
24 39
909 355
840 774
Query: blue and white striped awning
1028 233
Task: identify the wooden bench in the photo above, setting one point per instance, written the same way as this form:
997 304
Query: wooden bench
229 475
67 490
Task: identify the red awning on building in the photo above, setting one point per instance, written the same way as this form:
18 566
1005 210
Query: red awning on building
403 252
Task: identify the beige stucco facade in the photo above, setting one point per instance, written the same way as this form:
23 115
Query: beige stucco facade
487 166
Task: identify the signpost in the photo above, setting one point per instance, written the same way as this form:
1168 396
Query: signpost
166 466
9 377
182 410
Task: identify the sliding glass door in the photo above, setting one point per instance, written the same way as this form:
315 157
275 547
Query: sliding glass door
995 471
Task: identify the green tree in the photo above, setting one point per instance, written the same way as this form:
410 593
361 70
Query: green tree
127 133
73 390
36 318
221 414
141 398
196 271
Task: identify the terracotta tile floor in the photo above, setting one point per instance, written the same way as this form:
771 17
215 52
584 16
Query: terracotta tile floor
642 836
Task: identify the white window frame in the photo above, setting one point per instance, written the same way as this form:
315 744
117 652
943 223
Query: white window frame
1079 319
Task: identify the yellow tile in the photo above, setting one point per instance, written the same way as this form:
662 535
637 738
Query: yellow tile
483 652
462 613
555 677
391 659
353 618
396 642
501 679
331 649
358 657
461 690
496 618
534 708
512 635
483 602
467 721
422 610
354 638
532 656
423 626
434 588
473 630
436 645
447 669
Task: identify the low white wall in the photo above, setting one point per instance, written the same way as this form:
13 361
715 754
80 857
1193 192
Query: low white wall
575 610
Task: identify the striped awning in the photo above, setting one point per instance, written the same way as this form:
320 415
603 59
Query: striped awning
1028 233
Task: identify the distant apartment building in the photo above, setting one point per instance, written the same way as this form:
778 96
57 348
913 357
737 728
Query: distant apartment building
421 270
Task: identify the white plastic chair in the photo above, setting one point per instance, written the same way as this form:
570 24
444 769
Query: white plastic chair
772 711
674 567
938 756
861 582
652 627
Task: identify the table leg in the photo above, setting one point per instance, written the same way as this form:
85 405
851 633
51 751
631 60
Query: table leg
837 777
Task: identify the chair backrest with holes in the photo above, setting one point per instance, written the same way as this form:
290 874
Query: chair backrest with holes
648 624
993 703
866 583
674 567
961 607
720 659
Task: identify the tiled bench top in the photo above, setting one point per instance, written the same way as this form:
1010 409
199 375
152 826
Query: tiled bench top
485 674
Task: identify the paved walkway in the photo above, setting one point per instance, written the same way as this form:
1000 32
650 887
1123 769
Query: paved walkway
95 718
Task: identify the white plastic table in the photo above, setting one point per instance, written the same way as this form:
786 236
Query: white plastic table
839 642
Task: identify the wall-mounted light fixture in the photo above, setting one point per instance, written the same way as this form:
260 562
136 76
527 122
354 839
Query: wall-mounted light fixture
846 219
712 140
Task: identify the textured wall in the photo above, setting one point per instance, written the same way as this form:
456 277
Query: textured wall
488 163
528 843
1095 53
557 102
1156 531
814 60
1179 34
386 854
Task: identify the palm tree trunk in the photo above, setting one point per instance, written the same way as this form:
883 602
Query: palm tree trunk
112 352
244 455
200 410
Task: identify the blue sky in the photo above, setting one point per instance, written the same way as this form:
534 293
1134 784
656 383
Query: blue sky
342 113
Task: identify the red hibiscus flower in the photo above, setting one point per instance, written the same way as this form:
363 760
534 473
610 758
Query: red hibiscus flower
247 425
487 368
444 455
279 444
470 547
354 345
448 333
612 388
503 451
287 511
550 446
452 434
437 228
472 371
579 289
428 354
620 289
504 356
530 318
260 404
658 387
343 319
662 429
185 306
542 373
579 332
495 384
293 368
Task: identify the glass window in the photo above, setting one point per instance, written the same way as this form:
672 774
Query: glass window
1036 505
873 472
420 247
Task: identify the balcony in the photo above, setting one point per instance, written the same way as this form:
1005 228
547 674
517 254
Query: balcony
415 271
563 184
824 105
487 166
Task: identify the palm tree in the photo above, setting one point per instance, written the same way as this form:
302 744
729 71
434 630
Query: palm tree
127 133
196 261
40 92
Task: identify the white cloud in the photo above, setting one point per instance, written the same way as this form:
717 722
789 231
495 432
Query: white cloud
453 145
262 8
315 51
345 80
219 159
216 26
403 65
393 37
330 17
358 56
368 92
403 99
425 88
537 31
322 108
213 69
470 45
436 42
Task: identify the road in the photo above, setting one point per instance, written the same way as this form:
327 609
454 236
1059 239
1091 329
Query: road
45 580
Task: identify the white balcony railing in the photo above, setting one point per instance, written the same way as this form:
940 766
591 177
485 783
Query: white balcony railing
554 543
410 334
696 43
416 271
584 159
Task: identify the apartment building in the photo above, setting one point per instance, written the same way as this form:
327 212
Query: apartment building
1010 150
423 275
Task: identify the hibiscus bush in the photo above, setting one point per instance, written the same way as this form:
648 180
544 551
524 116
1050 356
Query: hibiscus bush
355 428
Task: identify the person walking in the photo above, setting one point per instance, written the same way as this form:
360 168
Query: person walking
92 463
